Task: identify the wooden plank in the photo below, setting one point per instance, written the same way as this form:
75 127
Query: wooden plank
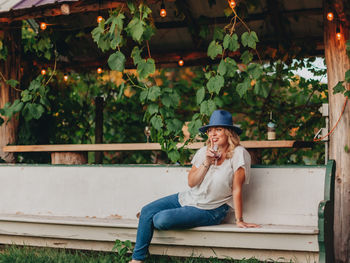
142 146
190 237
183 251
337 64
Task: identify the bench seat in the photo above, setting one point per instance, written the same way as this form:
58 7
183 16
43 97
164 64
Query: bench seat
89 207
286 238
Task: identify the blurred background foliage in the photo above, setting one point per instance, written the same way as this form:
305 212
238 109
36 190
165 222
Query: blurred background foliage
293 100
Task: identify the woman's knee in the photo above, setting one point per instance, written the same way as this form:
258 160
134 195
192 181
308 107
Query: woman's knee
162 221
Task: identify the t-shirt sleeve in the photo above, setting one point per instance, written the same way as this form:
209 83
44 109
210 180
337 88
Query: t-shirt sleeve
199 157
241 158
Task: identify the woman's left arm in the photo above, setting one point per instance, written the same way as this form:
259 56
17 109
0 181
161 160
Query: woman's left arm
238 180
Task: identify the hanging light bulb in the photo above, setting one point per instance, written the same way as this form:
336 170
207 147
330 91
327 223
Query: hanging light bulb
181 62
330 16
99 70
162 10
232 3
43 25
65 77
338 34
99 19
43 72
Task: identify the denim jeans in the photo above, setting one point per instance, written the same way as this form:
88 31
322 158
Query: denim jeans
167 213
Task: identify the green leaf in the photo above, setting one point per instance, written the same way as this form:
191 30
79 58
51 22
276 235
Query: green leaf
96 33
200 95
35 84
174 125
249 39
218 33
246 57
157 122
1 121
12 82
33 111
136 55
135 28
347 76
222 68
255 70
153 93
231 66
231 42
174 155
131 7
194 125
116 61
152 108
261 88
17 106
170 99
146 67
143 95
243 87
149 31
339 88
211 106
215 84
214 49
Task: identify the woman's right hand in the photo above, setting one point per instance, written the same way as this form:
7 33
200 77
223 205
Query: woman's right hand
210 156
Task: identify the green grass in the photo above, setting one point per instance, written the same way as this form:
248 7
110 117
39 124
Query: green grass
19 254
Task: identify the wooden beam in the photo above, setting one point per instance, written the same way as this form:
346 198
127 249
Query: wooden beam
143 146
56 10
337 64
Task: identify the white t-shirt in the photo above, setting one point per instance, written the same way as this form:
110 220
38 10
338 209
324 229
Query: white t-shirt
216 187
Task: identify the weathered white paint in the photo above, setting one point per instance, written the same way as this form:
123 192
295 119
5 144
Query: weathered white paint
279 196
183 251
88 207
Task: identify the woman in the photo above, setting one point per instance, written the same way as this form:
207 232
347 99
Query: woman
215 179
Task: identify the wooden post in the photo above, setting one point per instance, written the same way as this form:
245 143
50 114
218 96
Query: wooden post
10 69
337 64
98 126
69 158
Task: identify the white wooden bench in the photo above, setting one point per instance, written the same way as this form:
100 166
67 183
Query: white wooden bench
88 207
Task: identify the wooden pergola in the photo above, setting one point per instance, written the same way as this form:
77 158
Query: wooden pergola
173 41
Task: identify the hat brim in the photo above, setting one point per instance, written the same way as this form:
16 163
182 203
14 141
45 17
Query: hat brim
232 127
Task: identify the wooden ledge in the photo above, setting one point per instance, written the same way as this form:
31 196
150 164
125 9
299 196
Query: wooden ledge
145 146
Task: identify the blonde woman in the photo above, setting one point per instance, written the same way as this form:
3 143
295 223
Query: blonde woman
218 173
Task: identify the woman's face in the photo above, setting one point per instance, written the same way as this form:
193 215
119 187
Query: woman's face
217 136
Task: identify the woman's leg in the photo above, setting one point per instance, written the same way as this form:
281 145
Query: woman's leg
145 227
188 217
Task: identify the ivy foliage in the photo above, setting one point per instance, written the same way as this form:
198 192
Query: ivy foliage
234 80
340 88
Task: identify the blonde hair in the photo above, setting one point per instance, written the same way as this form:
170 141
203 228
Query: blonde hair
233 142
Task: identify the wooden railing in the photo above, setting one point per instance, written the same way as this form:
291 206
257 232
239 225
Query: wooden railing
76 153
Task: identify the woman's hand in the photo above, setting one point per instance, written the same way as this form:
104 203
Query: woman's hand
210 156
243 224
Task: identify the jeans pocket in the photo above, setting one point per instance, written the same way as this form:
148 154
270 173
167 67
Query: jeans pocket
219 213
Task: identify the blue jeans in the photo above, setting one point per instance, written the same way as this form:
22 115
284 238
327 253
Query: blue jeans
167 213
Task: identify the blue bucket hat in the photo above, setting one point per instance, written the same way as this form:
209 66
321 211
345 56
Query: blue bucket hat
221 118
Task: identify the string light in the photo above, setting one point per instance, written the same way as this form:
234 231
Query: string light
232 3
330 16
43 25
181 62
65 77
99 19
99 70
43 72
338 34
162 10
